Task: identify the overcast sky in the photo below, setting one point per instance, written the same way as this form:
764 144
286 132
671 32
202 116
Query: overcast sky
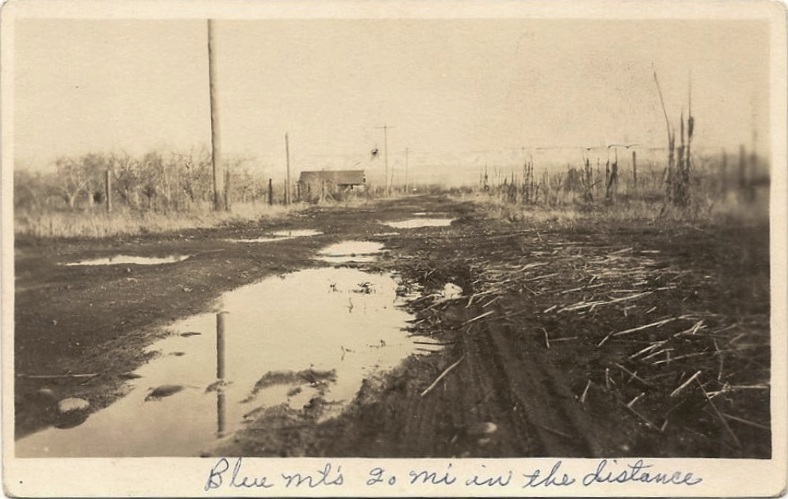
468 89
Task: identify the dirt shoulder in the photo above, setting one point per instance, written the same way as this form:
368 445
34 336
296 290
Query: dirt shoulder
566 341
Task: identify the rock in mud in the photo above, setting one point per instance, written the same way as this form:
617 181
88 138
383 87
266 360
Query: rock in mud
71 412
481 429
163 391
45 396
72 404
129 376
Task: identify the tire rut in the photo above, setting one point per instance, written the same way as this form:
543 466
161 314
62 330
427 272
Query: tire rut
543 417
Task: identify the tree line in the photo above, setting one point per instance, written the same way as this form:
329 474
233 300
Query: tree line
154 181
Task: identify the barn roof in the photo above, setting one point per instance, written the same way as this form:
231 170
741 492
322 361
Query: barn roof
337 177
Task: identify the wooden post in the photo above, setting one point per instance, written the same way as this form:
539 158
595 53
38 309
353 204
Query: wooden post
406 170
227 189
635 168
216 147
386 155
270 192
108 190
287 181
220 323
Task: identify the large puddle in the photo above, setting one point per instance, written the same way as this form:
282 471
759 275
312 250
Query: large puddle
128 259
415 223
312 334
351 252
280 235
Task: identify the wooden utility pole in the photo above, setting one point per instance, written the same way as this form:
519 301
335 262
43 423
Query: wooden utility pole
227 189
216 146
287 181
406 170
386 153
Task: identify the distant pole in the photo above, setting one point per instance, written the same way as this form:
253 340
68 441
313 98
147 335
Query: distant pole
270 192
635 168
287 185
108 190
386 153
216 147
406 169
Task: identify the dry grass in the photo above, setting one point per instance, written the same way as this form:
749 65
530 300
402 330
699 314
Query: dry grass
703 212
97 224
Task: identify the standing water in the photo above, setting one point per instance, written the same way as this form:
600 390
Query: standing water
280 235
415 223
128 259
316 332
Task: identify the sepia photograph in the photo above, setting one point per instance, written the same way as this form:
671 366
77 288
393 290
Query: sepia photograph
389 249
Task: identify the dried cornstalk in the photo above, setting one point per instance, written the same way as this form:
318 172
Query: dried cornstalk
684 385
640 328
442 375
585 392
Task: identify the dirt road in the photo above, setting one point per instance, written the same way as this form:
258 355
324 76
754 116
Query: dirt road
575 340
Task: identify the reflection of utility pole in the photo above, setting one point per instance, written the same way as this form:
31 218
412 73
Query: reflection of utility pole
216 144
386 153
287 187
406 170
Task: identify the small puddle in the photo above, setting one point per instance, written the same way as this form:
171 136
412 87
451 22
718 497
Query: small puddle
280 235
127 259
351 252
451 291
301 339
415 223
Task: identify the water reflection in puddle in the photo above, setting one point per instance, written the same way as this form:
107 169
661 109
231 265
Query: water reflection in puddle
415 223
351 252
316 332
127 259
280 235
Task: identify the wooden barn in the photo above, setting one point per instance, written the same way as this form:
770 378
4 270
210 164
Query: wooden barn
319 184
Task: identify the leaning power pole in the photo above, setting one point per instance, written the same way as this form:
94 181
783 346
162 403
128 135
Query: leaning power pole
216 141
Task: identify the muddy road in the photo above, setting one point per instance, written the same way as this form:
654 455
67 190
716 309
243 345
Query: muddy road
422 326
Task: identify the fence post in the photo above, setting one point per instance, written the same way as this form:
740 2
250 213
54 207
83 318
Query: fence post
270 192
108 190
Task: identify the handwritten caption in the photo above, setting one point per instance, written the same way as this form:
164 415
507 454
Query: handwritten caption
233 474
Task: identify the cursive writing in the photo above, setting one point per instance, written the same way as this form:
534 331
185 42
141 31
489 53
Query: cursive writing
237 479
635 473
